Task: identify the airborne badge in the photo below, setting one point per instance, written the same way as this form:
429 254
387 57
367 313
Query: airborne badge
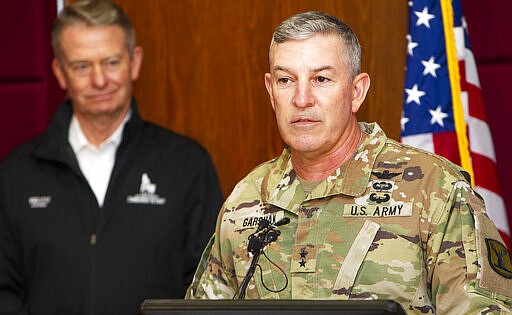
499 258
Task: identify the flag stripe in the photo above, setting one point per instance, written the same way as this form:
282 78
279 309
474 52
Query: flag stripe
481 138
445 144
423 141
470 68
483 176
477 107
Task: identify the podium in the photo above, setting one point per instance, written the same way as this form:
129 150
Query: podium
270 307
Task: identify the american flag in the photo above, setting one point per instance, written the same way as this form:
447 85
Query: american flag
443 110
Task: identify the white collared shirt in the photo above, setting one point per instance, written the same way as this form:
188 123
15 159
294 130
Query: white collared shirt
96 163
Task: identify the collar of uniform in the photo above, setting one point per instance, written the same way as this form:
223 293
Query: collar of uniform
350 179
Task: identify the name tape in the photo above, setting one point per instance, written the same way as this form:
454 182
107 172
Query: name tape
396 210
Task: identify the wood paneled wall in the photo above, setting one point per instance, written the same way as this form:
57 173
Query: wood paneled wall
204 62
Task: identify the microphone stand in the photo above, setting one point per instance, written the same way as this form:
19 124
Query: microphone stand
250 272
257 241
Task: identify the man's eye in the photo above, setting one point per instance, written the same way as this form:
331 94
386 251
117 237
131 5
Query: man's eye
81 68
321 79
283 80
112 62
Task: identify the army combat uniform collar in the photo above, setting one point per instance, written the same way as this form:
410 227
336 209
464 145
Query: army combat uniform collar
350 179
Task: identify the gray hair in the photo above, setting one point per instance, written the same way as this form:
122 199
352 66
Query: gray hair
304 25
92 13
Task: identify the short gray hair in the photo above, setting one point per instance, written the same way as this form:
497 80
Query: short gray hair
92 13
304 25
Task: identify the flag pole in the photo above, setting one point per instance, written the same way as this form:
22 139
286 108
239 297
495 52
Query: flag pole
453 71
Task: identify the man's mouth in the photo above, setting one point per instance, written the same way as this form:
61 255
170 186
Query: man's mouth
304 120
101 96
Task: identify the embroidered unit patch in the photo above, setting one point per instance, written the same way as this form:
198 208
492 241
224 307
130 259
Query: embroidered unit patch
499 258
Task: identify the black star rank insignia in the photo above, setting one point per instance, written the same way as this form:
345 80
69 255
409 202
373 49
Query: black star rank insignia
303 252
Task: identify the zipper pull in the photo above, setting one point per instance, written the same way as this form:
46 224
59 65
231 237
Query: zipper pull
93 239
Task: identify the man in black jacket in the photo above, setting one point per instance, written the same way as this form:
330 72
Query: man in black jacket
103 210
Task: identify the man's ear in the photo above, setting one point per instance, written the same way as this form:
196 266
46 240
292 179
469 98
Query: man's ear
360 87
138 54
59 73
268 85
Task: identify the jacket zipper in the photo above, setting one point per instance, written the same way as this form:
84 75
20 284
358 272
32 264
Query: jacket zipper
93 241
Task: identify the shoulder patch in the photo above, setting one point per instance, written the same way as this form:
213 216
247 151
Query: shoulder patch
499 258
495 267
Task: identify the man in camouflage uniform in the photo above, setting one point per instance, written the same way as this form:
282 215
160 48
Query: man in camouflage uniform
370 218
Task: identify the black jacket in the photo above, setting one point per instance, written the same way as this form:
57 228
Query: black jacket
62 254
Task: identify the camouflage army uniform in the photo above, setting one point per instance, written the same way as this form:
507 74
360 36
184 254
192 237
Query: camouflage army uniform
394 222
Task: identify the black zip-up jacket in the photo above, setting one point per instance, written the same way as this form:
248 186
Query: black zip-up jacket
60 253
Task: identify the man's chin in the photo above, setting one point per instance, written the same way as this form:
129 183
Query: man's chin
101 111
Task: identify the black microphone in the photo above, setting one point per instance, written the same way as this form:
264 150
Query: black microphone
283 221
263 224
271 236
255 244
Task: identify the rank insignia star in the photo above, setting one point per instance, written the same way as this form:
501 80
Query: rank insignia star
303 252
303 258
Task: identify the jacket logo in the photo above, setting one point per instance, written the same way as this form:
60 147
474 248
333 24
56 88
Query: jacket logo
499 258
147 193
38 202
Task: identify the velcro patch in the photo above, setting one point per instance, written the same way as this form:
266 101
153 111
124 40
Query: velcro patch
496 267
303 258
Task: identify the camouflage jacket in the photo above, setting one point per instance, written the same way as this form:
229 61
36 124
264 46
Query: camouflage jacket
394 222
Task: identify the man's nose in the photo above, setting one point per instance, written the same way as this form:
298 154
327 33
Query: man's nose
98 78
303 95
